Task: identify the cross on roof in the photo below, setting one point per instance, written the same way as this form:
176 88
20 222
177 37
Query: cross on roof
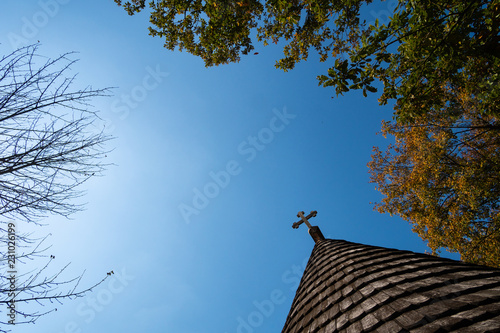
304 219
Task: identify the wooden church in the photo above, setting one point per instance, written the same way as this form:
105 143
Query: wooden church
349 287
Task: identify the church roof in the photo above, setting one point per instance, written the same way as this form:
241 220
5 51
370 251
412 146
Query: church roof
349 287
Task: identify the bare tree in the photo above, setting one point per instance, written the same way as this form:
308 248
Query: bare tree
24 296
49 146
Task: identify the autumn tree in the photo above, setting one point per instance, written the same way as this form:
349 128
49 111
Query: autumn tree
442 174
49 147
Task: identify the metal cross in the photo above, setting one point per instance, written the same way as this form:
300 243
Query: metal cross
304 219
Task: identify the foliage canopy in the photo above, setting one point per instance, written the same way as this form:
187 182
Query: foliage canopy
442 175
424 43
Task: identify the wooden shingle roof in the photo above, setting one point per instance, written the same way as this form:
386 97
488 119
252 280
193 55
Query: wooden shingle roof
349 287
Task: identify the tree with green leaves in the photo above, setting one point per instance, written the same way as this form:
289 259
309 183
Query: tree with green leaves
437 61
424 43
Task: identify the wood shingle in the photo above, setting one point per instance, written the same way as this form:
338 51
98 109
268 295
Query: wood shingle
349 287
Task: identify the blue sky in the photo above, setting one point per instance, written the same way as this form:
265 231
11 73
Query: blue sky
258 143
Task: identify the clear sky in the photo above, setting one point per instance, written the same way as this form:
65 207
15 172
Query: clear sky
212 166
